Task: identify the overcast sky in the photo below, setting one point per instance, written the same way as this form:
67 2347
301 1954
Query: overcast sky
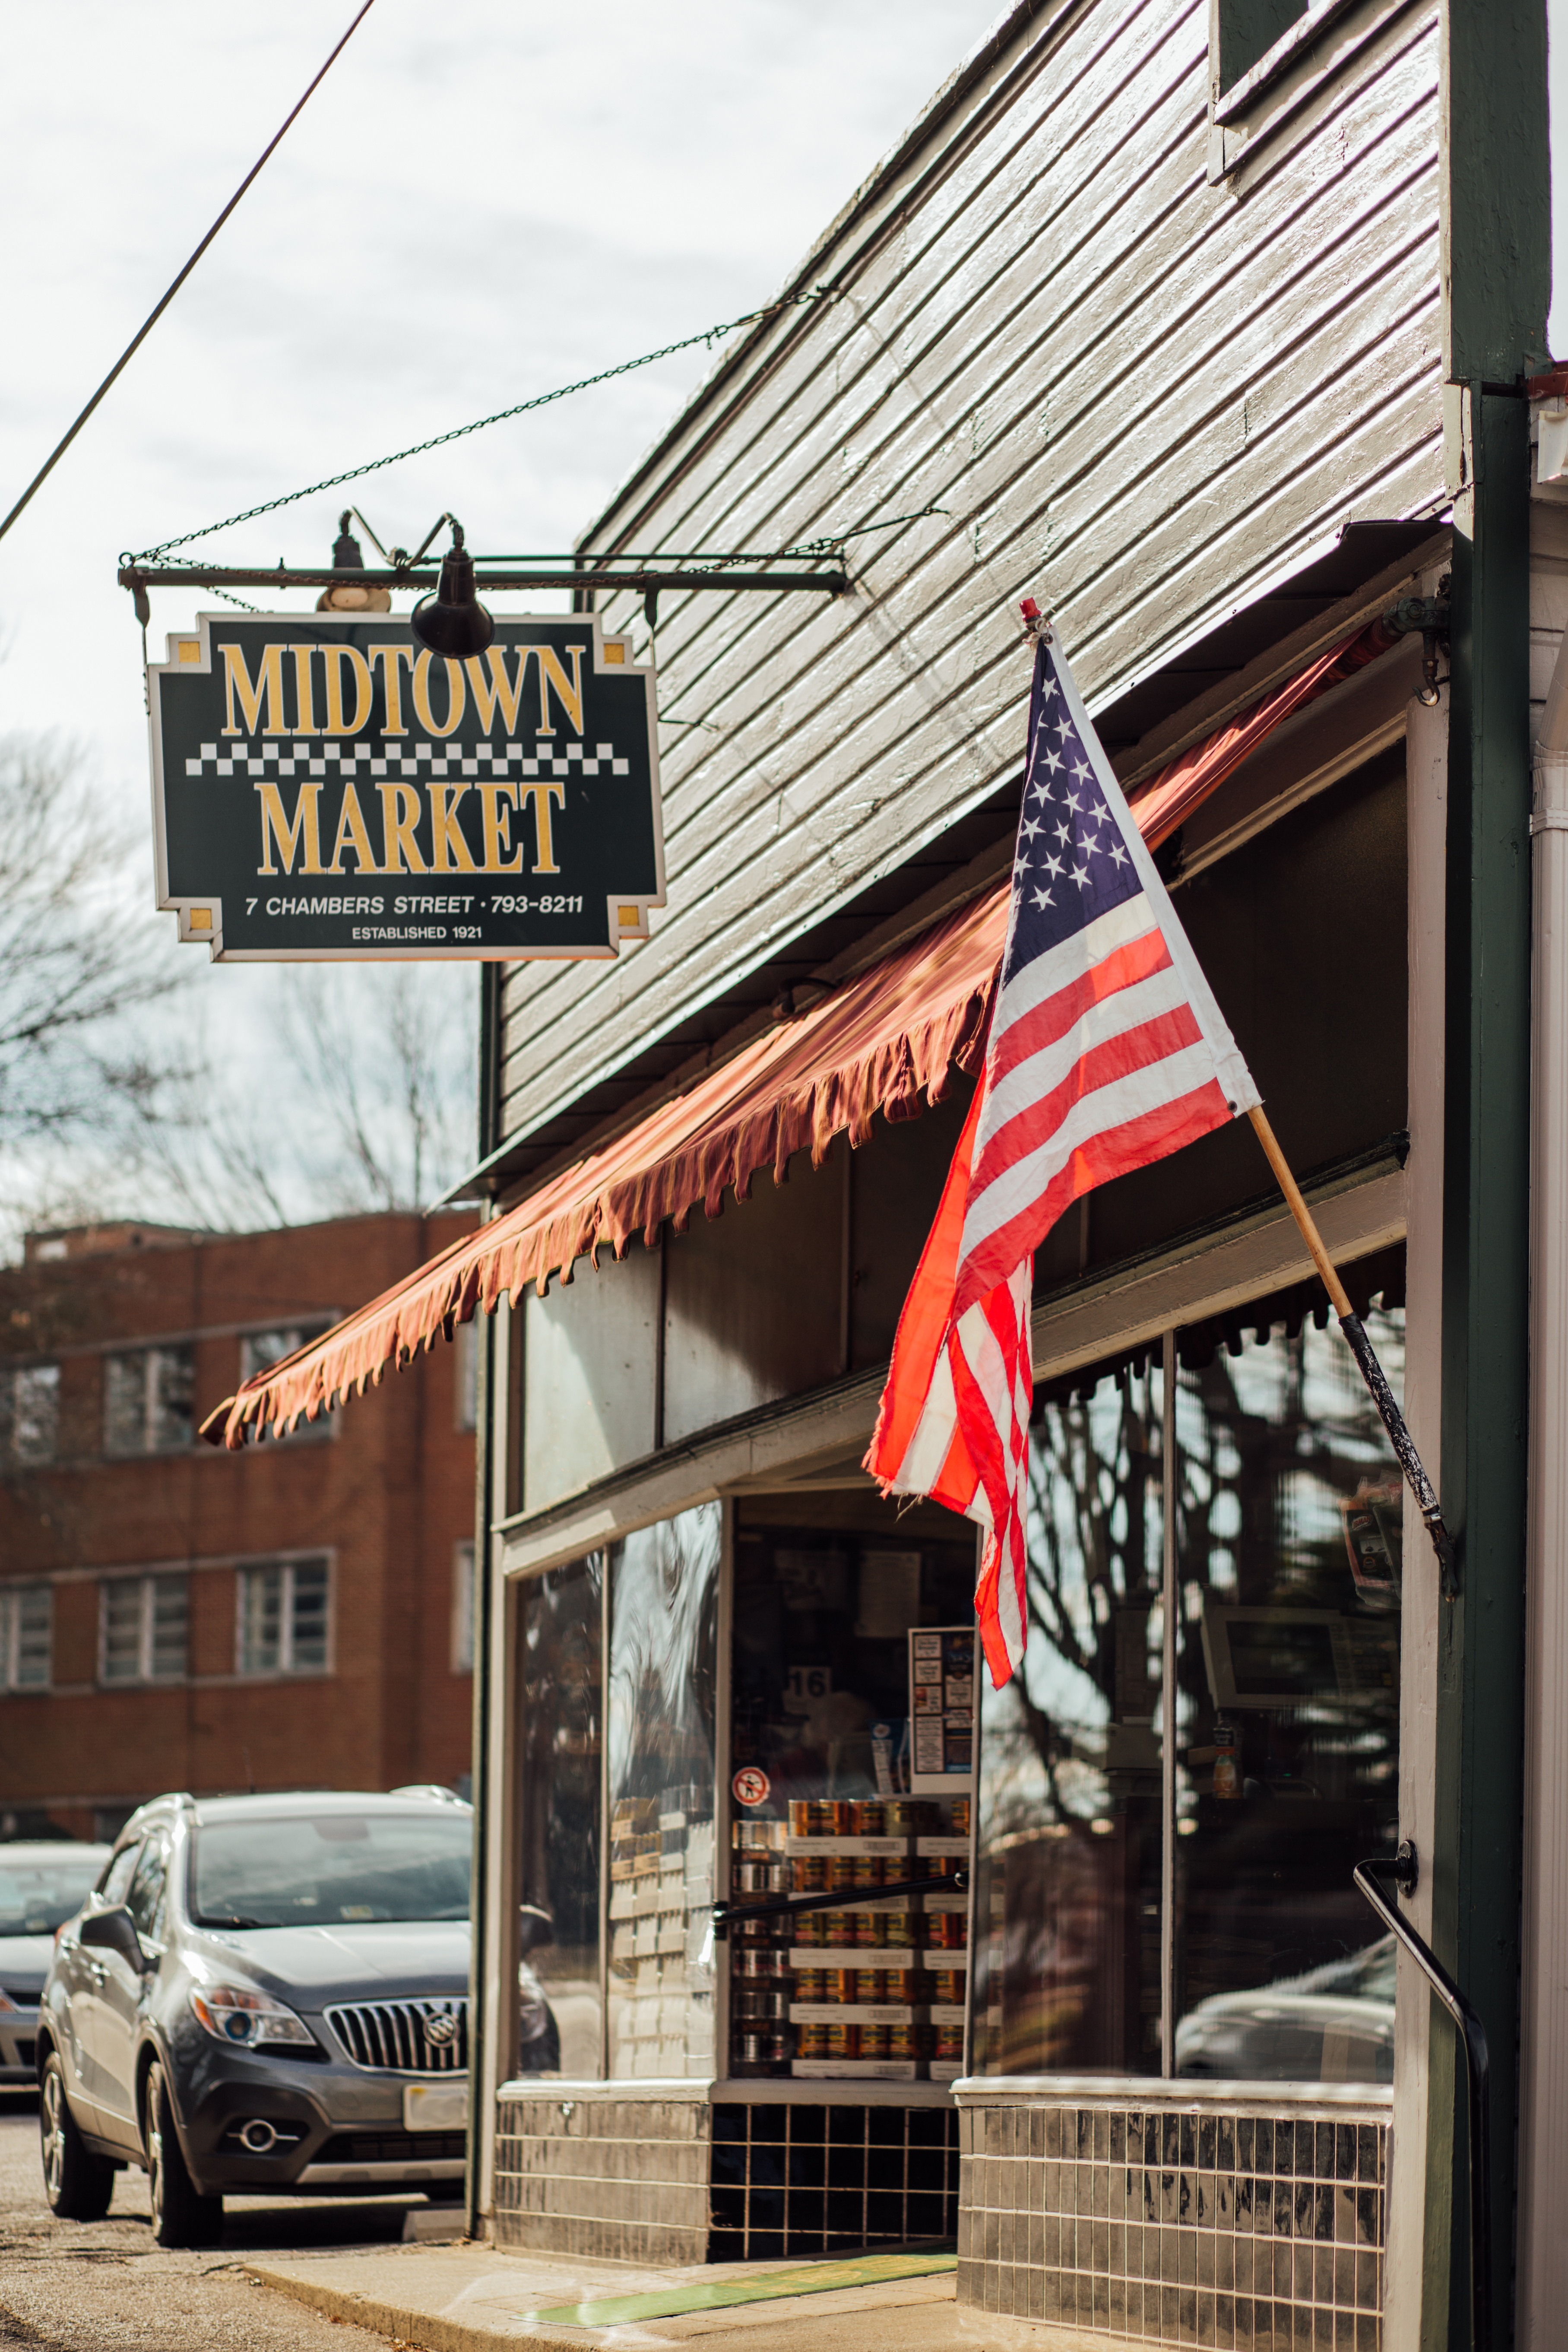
453 223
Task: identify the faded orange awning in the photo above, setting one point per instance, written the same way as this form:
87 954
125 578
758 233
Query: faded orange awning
886 1041
882 1042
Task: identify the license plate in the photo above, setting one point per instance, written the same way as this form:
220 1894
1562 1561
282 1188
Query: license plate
435 2107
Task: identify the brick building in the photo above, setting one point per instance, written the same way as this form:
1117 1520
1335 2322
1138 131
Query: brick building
173 1615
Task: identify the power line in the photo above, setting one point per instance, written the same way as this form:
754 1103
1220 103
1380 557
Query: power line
709 335
139 337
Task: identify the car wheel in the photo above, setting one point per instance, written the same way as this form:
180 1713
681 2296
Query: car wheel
77 2184
181 2216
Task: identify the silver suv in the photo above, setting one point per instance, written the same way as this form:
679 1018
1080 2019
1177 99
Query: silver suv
262 1994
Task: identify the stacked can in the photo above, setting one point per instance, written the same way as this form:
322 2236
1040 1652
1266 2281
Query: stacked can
889 1975
762 1983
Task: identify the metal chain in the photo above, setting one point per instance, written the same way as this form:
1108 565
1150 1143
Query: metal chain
711 335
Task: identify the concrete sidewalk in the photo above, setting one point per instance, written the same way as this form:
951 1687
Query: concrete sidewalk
469 2298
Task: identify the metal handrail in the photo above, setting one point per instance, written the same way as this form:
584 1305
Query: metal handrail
840 1898
1403 1868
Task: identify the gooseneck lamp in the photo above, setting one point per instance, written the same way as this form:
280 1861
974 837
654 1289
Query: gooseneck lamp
453 622
351 595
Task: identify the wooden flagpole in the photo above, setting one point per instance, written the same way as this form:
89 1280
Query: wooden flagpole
1361 1349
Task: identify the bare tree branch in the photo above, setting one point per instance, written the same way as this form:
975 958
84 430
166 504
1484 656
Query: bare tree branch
72 967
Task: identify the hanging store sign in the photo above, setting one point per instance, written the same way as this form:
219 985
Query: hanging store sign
326 790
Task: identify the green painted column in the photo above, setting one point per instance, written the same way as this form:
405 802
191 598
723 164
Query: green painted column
1497 286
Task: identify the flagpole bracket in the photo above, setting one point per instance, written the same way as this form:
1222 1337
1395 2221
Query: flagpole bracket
1036 624
1430 615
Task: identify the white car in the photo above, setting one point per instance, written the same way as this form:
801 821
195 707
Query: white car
1334 2024
41 1887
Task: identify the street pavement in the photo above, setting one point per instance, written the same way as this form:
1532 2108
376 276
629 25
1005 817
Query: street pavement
73 2286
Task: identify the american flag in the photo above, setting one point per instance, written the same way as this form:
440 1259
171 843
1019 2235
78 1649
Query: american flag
1106 1052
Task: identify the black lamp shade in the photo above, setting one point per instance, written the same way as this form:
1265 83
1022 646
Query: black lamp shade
453 622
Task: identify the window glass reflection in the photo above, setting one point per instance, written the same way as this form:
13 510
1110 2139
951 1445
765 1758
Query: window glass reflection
664 1586
1289 1559
560 2014
1067 1900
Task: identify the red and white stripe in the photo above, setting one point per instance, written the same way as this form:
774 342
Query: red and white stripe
1107 1051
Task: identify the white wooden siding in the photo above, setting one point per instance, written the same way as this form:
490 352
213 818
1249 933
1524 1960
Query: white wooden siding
1130 393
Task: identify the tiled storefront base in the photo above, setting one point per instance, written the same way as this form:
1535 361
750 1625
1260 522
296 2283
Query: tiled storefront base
1213 2214
824 2179
655 2173
615 2172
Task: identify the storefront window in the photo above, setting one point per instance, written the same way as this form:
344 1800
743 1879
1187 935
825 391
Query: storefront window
1288 1566
1068 1902
664 1590
1203 1924
561 2014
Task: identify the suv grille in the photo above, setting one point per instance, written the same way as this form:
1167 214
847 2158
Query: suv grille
393 2147
395 2034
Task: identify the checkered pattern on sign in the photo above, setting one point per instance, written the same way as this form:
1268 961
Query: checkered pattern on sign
418 763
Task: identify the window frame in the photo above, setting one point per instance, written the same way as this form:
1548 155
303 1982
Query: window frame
150 1353
12 1379
285 1565
145 1582
301 1329
12 1594
1179 1818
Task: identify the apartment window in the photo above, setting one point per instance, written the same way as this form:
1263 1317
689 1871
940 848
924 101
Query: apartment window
463 1608
26 1625
29 1412
259 1351
283 1618
143 1624
147 1400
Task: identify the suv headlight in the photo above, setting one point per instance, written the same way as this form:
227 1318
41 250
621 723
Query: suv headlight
244 2020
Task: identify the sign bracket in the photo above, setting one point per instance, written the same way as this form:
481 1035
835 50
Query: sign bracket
545 572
